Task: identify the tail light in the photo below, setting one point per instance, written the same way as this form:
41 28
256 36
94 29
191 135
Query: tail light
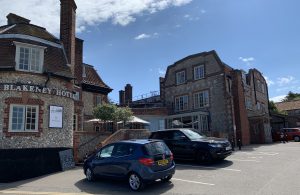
146 161
171 157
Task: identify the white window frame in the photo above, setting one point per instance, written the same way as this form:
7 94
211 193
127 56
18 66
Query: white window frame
23 128
31 47
180 77
180 104
199 72
201 99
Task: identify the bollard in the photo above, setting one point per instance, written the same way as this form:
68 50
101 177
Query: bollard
239 144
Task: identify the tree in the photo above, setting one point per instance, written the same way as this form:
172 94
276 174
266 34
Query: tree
123 114
291 96
110 112
272 107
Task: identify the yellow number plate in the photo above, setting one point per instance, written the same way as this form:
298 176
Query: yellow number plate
162 162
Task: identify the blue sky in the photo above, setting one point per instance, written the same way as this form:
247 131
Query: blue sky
134 41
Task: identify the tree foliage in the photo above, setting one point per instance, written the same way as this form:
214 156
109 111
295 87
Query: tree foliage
291 96
110 112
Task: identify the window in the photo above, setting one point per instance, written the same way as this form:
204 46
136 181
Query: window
248 103
201 99
75 122
198 72
106 152
123 150
98 100
181 103
23 118
29 57
203 123
180 77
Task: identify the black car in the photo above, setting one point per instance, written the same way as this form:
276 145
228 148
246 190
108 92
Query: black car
188 144
138 161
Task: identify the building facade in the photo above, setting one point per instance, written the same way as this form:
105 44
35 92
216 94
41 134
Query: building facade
46 91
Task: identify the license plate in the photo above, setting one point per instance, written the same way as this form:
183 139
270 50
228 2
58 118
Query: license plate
162 162
228 148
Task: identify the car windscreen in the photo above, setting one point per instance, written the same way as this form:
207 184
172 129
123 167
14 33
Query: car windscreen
192 134
155 148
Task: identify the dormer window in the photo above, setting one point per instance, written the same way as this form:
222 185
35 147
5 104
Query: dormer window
198 72
180 77
29 58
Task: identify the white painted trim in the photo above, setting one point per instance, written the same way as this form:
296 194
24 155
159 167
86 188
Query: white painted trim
8 28
25 45
29 45
31 38
24 119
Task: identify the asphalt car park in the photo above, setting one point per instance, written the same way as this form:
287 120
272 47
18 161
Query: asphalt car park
256 169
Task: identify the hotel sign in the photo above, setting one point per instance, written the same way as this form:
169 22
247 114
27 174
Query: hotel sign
37 89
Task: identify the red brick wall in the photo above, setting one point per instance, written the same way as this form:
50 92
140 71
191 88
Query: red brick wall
240 112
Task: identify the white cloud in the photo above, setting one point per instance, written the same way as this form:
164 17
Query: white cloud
191 18
203 11
145 36
269 81
161 72
277 98
285 80
46 13
142 36
248 60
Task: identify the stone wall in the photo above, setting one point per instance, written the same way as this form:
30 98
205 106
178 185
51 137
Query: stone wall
46 137
220 105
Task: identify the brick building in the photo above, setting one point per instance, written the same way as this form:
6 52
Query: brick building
46 91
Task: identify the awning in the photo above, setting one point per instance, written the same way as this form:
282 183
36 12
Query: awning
135 119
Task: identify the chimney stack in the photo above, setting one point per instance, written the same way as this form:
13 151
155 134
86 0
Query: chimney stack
78 60
128 94
67 29
121 97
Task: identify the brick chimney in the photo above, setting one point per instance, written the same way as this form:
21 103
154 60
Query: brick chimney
128 94
121 97
15 19
67 29
78 60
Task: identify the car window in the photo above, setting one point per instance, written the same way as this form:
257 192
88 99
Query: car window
160 135
106 152
155 148
177 135
123 150
192 134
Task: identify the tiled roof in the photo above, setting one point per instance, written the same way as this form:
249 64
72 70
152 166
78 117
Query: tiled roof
91 77
31 30
291 105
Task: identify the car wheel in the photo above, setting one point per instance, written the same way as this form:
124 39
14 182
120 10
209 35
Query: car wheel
297 138
204 157
89 174
135 182
166 179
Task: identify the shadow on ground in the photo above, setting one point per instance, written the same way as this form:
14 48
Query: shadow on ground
105 186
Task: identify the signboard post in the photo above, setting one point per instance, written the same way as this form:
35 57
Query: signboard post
56 117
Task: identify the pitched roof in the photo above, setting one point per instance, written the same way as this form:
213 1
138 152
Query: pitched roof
291 105
91 77
30 30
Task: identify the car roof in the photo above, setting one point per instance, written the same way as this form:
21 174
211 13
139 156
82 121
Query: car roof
138 141
177 129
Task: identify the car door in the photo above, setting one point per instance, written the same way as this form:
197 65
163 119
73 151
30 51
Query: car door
121 160
181 144
102 161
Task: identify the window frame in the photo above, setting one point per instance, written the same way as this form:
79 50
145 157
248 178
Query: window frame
177 77
24 117
41 49
195 71
197 100
183 103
